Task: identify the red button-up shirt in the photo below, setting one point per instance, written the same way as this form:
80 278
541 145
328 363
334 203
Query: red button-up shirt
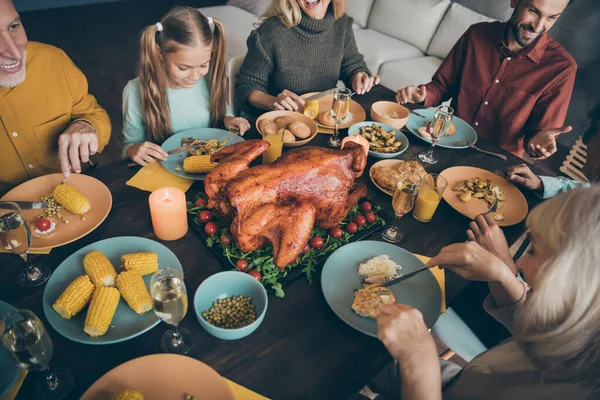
506 98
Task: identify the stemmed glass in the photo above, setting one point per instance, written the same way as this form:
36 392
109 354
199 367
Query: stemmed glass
170 301
440 124
339 111
402 202
15 236
26 338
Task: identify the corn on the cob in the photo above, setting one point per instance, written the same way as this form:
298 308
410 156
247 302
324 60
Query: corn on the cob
133 289
198 164
101 311
75 297
311 109
128 394
71 199
144 263
99 268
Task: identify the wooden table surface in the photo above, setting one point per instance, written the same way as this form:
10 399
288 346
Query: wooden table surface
301 350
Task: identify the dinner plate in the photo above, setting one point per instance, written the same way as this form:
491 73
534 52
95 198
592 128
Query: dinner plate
92 188
8 365
387 164
515 207
126 324
464 131
358 113
175 161
355 130
162 377
339 279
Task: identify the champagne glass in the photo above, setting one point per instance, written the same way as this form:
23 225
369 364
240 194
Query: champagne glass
15 236
339 111
440 124
26 338
170 301
402 202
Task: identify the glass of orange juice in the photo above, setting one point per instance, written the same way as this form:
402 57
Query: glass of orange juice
276 147
430 193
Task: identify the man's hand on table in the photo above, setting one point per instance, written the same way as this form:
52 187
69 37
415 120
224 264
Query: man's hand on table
485 231
411 94
288 101
523 176
362 82
543 144
75 146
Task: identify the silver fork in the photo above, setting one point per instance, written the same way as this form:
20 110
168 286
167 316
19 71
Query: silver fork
493 208
500 156
231 134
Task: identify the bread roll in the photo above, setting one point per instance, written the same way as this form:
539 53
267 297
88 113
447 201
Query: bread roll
288 137
267 127
284 121
299 129
325 118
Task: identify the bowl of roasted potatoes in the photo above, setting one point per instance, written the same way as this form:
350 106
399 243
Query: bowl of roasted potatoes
384 140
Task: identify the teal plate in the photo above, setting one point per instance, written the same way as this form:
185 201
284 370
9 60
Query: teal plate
464 131
174 142
126 324
340 277
355 130
8 366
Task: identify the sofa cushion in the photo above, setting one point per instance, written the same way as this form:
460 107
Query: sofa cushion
497 9
359 10
378 48
413 71
411 21
456 22
256 7
238 25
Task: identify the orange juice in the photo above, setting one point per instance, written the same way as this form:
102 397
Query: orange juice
427 202
275 148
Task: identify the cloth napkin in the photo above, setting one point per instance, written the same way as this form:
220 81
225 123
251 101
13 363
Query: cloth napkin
154 176
39 251
12 392
440 276
327 131
240 392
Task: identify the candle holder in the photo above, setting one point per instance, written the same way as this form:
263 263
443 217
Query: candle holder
169 213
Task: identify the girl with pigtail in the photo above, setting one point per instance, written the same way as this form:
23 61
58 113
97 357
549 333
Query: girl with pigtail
181 85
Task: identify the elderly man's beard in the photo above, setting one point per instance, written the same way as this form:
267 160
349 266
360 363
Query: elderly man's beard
12 80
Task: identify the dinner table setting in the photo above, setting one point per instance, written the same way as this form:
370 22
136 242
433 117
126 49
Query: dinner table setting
191 279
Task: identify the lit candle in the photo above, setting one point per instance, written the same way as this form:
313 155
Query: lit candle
168 211
360 140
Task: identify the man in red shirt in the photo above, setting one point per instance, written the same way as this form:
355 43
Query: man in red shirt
511 81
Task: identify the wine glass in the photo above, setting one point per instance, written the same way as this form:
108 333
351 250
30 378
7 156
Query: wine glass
442 118
170 301
15 236
26 338
339 111
402 202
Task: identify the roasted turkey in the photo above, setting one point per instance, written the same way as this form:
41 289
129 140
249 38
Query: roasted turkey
280 203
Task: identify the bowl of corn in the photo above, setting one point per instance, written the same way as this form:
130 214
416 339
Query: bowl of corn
230 305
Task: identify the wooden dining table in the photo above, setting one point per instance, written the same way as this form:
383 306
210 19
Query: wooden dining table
302 349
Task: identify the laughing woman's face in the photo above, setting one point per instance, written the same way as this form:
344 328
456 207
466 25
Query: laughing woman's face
314 8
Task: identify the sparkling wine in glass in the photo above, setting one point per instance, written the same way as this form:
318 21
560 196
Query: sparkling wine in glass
170 301
15 236
402 202
339 111
26 338
442 119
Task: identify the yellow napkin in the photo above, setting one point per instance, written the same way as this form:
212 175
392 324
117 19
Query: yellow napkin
39 251
440 276
327 131
12 392
154 176
240 392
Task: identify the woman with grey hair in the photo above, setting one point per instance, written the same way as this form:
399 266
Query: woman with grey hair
554 317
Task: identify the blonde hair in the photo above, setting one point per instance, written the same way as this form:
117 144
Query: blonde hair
290 13
182 26
559 324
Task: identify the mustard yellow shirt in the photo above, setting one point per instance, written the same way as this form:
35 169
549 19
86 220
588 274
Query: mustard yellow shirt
35 113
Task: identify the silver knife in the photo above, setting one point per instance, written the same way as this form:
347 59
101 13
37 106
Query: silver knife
404 277
317 96
31 205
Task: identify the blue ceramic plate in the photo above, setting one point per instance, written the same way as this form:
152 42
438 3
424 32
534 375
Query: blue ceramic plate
126 324
340 277
464 131
174 142
8 366
355 130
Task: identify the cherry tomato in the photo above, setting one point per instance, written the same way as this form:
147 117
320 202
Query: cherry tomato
305 249
316 242
351 228
242 265
211 228
43 224
366 207
225 240
336 232
371 218
255 274
360 220
200 202
205 216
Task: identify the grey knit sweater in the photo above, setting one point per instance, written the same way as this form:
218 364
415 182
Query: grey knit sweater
309 57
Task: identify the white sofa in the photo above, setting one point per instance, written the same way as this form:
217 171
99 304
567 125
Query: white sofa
403 41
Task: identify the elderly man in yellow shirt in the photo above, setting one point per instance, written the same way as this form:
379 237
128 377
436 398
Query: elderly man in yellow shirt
48 120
